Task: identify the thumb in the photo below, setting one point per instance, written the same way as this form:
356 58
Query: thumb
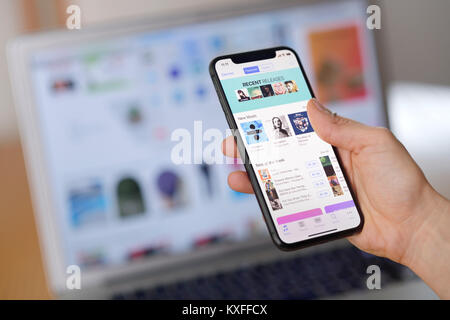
338 131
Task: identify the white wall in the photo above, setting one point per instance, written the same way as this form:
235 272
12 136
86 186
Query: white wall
106 10
9 27
417 35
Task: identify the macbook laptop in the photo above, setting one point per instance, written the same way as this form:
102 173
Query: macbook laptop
97 110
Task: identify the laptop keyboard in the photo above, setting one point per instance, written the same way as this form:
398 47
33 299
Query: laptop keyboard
313 276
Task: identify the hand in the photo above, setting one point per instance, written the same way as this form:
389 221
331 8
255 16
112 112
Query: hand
399 205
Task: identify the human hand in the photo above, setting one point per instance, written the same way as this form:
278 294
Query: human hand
399 205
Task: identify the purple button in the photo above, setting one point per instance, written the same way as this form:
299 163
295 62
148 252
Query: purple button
339 206
253 69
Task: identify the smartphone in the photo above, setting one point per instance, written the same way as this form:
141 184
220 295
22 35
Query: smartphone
298 179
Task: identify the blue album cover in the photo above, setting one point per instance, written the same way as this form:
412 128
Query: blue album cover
254 132
300 122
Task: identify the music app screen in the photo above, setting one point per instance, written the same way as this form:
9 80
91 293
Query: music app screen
298 173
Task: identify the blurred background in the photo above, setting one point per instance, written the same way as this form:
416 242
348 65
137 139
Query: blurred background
415 49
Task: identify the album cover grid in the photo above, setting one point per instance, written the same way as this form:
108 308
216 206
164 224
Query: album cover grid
267 90
255 132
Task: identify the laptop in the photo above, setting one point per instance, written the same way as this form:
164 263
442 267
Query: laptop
98 109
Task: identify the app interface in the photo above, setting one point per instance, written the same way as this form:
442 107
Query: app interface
298 173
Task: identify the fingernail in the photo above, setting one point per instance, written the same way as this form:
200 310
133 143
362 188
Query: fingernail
320 106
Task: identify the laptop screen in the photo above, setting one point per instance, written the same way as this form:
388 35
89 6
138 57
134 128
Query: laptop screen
116 111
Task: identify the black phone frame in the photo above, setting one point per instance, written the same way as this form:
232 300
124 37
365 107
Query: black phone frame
254 56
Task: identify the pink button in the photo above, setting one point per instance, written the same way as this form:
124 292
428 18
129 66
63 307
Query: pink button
299 216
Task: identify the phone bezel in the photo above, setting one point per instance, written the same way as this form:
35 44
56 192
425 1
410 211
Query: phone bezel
253 56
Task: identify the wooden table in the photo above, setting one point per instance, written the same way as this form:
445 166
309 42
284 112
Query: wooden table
21 269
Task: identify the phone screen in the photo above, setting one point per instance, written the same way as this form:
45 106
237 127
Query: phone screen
298 173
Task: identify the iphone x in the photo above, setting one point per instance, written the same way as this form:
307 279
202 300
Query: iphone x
298 179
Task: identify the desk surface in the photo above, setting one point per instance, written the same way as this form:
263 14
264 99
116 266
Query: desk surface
21 269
